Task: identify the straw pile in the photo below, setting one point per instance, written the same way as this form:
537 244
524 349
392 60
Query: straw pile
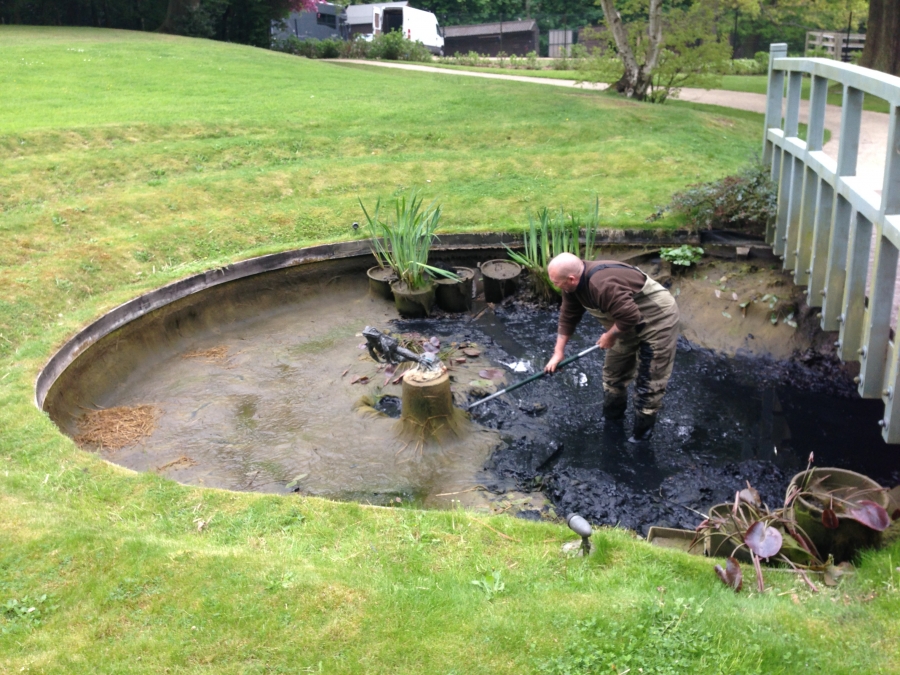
213 354
114 428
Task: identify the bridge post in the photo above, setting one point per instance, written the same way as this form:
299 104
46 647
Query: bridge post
848 149
890 208
853 316
789 216
816 231
773 155
774 98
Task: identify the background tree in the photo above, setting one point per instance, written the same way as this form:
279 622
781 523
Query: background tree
639 52
882 51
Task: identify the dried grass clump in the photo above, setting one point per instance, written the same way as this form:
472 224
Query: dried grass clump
213 354
114 428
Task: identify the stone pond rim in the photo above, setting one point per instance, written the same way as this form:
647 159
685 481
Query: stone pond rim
487 244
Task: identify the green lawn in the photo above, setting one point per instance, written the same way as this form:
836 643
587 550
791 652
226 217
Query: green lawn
130 160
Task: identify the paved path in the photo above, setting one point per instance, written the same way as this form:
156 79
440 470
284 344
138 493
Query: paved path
873 133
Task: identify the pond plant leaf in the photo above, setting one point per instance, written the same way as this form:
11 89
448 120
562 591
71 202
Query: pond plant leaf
830 519
870 514
750 496
491 374
435 341
471 352
429 348
731 576
763 540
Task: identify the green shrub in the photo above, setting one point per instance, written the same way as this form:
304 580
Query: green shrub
685 255
390 46
745 201
394 46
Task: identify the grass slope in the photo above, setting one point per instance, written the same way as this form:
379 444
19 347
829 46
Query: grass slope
129 160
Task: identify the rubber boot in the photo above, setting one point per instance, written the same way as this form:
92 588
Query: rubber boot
614 406
643 427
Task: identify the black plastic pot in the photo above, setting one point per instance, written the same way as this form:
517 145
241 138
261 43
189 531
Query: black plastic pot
413 304
380 280
455 296
500 279
850 536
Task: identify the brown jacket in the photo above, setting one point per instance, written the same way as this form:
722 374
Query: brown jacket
609 290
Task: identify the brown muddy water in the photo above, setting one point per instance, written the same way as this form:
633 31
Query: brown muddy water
259 384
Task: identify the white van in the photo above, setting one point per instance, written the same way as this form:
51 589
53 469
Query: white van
384 17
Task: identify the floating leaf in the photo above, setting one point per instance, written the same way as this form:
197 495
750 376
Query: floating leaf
294 483
469 351
459 359
718 293
870 514
766 297
360 379
763 540
791 323
734 296
491 374
429 348
744 304
435 341
677 292
726 315
731 576
750 496
833 573
773 318
830 519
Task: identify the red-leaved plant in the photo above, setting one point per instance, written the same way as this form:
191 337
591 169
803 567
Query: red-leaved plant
775 535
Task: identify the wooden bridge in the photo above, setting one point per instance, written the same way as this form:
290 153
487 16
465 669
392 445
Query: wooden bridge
828 218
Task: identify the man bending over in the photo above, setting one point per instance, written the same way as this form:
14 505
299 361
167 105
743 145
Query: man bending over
641 322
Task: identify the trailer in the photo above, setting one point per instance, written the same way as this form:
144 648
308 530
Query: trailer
385 17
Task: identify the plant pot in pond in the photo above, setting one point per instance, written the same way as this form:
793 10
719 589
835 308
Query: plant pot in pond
668 537
455 296
380 280
500 279
844 493
413 304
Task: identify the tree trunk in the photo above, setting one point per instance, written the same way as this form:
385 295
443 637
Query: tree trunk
882 51
175 10
635 81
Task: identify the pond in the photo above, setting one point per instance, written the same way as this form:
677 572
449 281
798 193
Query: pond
262 384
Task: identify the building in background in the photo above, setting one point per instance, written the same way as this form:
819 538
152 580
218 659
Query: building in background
489 39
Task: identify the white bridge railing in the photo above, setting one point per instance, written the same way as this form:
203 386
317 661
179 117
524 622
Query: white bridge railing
827 217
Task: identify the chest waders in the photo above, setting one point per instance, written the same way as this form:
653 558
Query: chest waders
645 354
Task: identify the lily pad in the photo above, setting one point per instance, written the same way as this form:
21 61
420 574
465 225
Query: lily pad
763 540
471 351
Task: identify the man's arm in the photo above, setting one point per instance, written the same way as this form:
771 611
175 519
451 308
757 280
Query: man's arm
559 353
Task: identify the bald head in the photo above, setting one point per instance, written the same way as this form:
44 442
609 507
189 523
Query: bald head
565 271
